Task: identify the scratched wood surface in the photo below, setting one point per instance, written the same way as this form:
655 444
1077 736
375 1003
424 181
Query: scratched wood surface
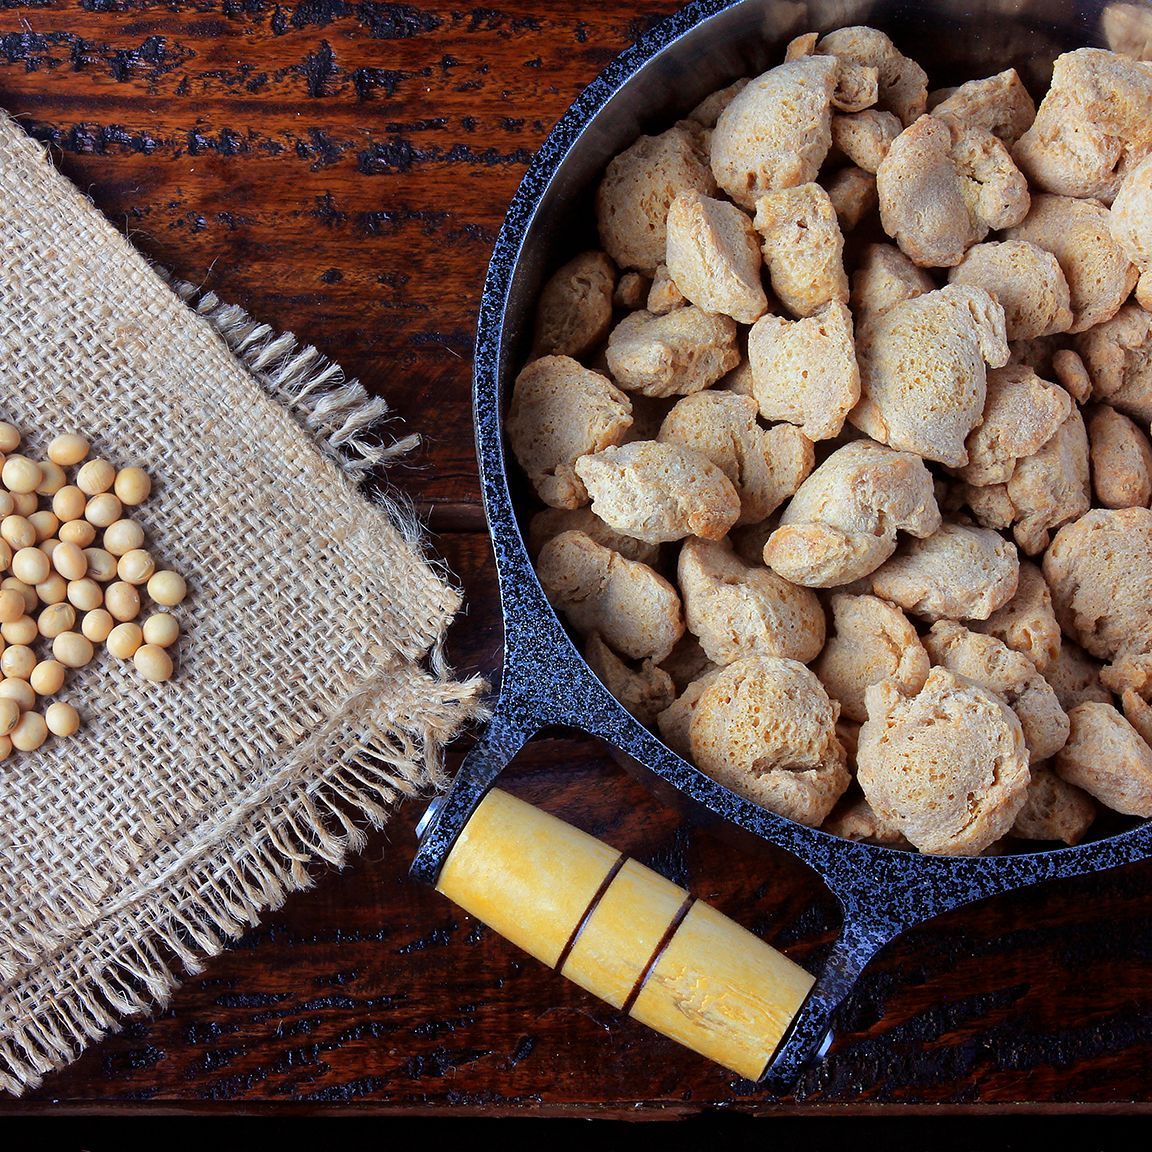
341 169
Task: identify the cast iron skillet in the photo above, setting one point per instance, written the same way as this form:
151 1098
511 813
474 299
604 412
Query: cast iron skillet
545 681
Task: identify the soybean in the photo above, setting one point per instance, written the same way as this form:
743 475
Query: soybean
133 485
21 475
124 640
161 629
29 733
72 649
167 588
62 719
68 449
47 677
153 663
97 625
95 477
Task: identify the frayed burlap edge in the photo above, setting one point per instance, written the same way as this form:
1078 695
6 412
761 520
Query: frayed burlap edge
342 417
264 852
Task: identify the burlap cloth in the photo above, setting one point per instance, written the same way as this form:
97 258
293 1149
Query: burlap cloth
308 697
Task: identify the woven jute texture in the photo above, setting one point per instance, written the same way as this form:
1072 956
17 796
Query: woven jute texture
308 695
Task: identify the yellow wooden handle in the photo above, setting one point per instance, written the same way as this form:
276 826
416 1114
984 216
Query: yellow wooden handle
624 933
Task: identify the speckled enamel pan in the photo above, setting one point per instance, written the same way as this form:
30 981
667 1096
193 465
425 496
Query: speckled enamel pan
545 681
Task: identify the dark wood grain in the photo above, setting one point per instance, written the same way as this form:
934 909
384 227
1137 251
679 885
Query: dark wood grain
341 169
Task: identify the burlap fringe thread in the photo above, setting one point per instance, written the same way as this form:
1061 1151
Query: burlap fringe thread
265 853
221 899
343 418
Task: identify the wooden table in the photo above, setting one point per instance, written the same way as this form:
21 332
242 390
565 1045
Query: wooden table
341 170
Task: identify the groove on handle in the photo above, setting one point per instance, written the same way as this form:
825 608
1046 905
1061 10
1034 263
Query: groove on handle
624 933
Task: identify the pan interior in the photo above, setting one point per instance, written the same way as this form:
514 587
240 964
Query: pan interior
703 48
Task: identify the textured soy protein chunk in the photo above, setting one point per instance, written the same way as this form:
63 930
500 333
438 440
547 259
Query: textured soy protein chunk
942 188
805 371
736 610
631 291
1121 459
865 137
1021 414
682 352
857 85
1012 676
1027 282
842 522
871 641
645 691
597 590
1130 678
1051 487
714 257
1127 29
803 248
946 766
884 278
739 380
1027 623
1129 673
675 722
659 492
1107 758
664 293
575 309
960 572
1138 712
848 733
1093 125
764 727
1069 371
707 112
1118 357
902 85
998 104
1099 569
637 189
1076 677
1131 224
559 412
853 818
686 662
1100 276
922 371
1054 809
776 131
765 465
852 193
550 522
